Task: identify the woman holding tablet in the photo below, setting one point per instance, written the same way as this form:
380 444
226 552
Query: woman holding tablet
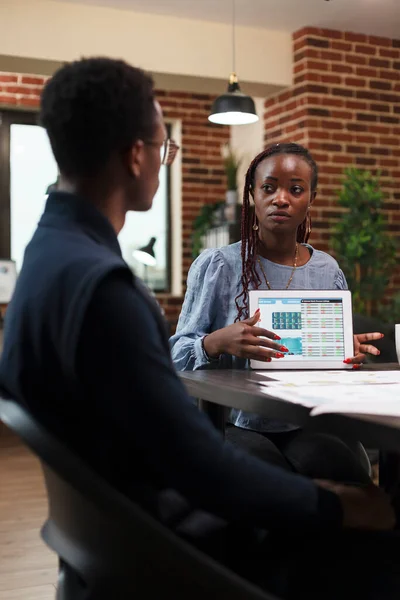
215 329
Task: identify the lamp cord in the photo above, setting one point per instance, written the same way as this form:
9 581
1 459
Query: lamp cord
233 38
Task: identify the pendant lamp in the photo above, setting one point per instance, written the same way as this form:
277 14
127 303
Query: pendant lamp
233 107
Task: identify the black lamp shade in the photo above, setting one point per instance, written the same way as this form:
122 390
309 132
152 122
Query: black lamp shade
233 108
146 254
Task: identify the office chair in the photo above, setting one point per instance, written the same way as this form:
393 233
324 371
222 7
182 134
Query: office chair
108 547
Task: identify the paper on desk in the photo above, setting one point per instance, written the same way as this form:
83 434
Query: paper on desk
300 379
382 398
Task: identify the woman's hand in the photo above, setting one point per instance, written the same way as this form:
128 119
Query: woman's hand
366 507
362 347
245 340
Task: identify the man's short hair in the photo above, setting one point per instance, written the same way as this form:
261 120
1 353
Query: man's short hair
94 108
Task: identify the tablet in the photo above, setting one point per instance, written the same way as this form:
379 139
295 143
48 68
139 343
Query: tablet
316 326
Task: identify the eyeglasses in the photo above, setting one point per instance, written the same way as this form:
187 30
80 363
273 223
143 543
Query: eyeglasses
169 150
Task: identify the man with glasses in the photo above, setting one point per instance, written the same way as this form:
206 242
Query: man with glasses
86 351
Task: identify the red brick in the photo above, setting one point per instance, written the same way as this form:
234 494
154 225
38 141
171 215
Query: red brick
330 125
330 101
340 158
388 141
376 84
334 79
366 161
339 68
28 101
387 162
356 105
379 62
389 53
342 137
311 53
331 56
370 50
5 99
315 65
299 68
318 134
314 77
269 102
356 59
391 75
333 170
305 31
356 150
299 44
379 41
345 46
366 139
318 42
5 78
33 80
355 37
332 34
344 91
21 89
379 129
380 108
353 82
356 127
341 114
366 72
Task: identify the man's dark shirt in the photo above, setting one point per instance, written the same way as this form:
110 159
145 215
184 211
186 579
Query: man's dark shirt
85 350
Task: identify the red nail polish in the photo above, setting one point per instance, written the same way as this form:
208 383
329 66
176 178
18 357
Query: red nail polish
276 337
268 359
279 355
357 366
284 349
347 361
378 352
382 335
258 310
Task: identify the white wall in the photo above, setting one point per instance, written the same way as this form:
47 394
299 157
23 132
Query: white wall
248 141
60 31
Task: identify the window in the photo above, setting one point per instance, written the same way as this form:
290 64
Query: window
27 169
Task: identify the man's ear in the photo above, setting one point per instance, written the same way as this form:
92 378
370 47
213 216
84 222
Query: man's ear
136 159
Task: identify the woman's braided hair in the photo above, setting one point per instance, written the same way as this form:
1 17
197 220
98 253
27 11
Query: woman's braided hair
250 278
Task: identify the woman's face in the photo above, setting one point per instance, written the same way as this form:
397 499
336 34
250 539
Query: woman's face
282 192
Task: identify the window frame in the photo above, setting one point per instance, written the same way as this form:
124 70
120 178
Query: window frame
9 117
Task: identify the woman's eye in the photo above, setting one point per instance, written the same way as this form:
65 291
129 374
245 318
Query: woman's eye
296 189
268 189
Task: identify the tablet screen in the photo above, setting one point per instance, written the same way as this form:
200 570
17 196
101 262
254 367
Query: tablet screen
309 328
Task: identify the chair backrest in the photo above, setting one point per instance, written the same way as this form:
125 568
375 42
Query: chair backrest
386 346
117 549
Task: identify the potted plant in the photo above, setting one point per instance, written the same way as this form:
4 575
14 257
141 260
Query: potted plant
231 165
362 246
202 223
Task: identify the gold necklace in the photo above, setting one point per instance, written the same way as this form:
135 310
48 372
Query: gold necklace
296 255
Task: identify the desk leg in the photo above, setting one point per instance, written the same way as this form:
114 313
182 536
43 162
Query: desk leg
389 472
215 412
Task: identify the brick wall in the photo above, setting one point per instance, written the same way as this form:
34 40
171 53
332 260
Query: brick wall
345 107
203 179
